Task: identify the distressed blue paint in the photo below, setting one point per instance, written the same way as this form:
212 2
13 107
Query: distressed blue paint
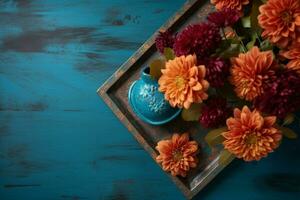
59 141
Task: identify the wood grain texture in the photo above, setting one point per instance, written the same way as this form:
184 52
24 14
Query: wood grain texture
115 93
59 141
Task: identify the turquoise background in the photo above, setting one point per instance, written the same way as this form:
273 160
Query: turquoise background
58 140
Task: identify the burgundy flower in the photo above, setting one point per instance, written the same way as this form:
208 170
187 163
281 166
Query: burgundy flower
200 39
282 94
164 40
223 18
217 71
215 112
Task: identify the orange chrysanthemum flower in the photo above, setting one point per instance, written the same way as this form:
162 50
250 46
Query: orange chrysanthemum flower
293 54
177 155
280 20
250 71
183 82
231 4
251 136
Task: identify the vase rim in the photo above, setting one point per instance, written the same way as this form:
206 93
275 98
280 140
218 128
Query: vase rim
145 74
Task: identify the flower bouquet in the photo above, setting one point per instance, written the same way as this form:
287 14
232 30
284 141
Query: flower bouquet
238 74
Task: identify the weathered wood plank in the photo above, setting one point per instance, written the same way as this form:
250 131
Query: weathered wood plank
59 141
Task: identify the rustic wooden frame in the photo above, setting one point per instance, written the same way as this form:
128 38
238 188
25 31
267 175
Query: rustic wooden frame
103 91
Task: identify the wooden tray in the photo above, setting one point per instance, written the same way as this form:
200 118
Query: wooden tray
115 89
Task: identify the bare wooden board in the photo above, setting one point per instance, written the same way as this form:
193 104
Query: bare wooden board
114 92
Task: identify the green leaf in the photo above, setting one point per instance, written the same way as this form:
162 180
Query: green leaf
227 91
225 44
236 40
264 1
252 42
288 133
169 54
232 51
288 119
215 137
192 114
246 22
155 68
266 45
225 157
254 14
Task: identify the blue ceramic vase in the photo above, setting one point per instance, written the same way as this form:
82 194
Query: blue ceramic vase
148 103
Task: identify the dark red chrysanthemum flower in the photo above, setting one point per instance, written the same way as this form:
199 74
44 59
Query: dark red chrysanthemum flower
217 71
223 18
282 94
200 39
164 40
215 112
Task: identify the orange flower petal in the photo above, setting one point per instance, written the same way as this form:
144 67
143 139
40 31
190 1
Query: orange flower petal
177 155
251 136
250 71
231 4
182 82
278 20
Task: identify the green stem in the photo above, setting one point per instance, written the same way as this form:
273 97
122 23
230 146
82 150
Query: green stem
258 38
244 47
223 31
241 42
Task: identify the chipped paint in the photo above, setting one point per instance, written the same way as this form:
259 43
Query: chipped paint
140 130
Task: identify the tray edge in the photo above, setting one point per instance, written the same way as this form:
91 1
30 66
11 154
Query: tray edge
102 91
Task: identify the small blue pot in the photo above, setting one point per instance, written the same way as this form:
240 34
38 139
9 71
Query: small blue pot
148 103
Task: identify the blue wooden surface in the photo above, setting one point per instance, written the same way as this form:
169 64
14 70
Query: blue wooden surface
58 140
